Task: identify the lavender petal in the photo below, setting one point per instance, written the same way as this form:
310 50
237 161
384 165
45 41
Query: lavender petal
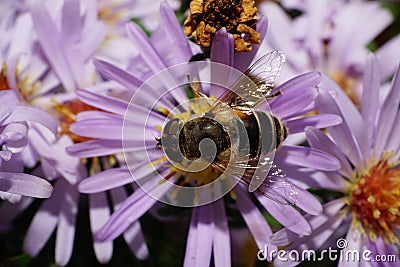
307 157
221 237
66 226
317 121
255 221
45 221
99 212
25 184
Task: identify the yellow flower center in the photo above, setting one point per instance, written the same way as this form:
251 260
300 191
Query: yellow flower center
375 200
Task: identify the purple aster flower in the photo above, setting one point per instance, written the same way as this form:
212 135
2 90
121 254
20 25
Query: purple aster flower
68 34
367 145
15 120
332 37
209 231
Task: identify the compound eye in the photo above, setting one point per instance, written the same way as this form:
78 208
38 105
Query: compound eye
170 140
172 149
173 127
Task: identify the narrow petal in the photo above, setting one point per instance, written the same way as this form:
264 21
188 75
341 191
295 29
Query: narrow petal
9 101
113 178
221 237
103 102
319 140
307 157
135 239
105 180
388 114
331 209
99 128
30 114
354 243
288 103
95 148
307 201
94 114
385 55
370 95
45 221
309 79
11 77
191 243
381 248
393 143
132 209
113 129
198 253
11 211
255 221
25 184
50 40
339 103
114 73
174 33
133 235
66 226
221 52
99 212
93 39
317 121
308 178
242 60
342 134
313 242
222 48
153 59
71 22
15 136
288 216
138 113
143 44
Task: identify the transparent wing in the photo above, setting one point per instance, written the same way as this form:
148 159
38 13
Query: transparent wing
275 185
257 82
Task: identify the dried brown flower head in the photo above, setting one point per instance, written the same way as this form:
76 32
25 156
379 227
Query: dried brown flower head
237 16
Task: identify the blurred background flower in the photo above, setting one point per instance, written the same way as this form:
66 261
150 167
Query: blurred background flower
333 37
367 146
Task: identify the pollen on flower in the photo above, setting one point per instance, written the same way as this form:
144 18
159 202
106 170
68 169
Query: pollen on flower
3 79
164 111
237 16
26 85
375 200
111 14
158 127
66 113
